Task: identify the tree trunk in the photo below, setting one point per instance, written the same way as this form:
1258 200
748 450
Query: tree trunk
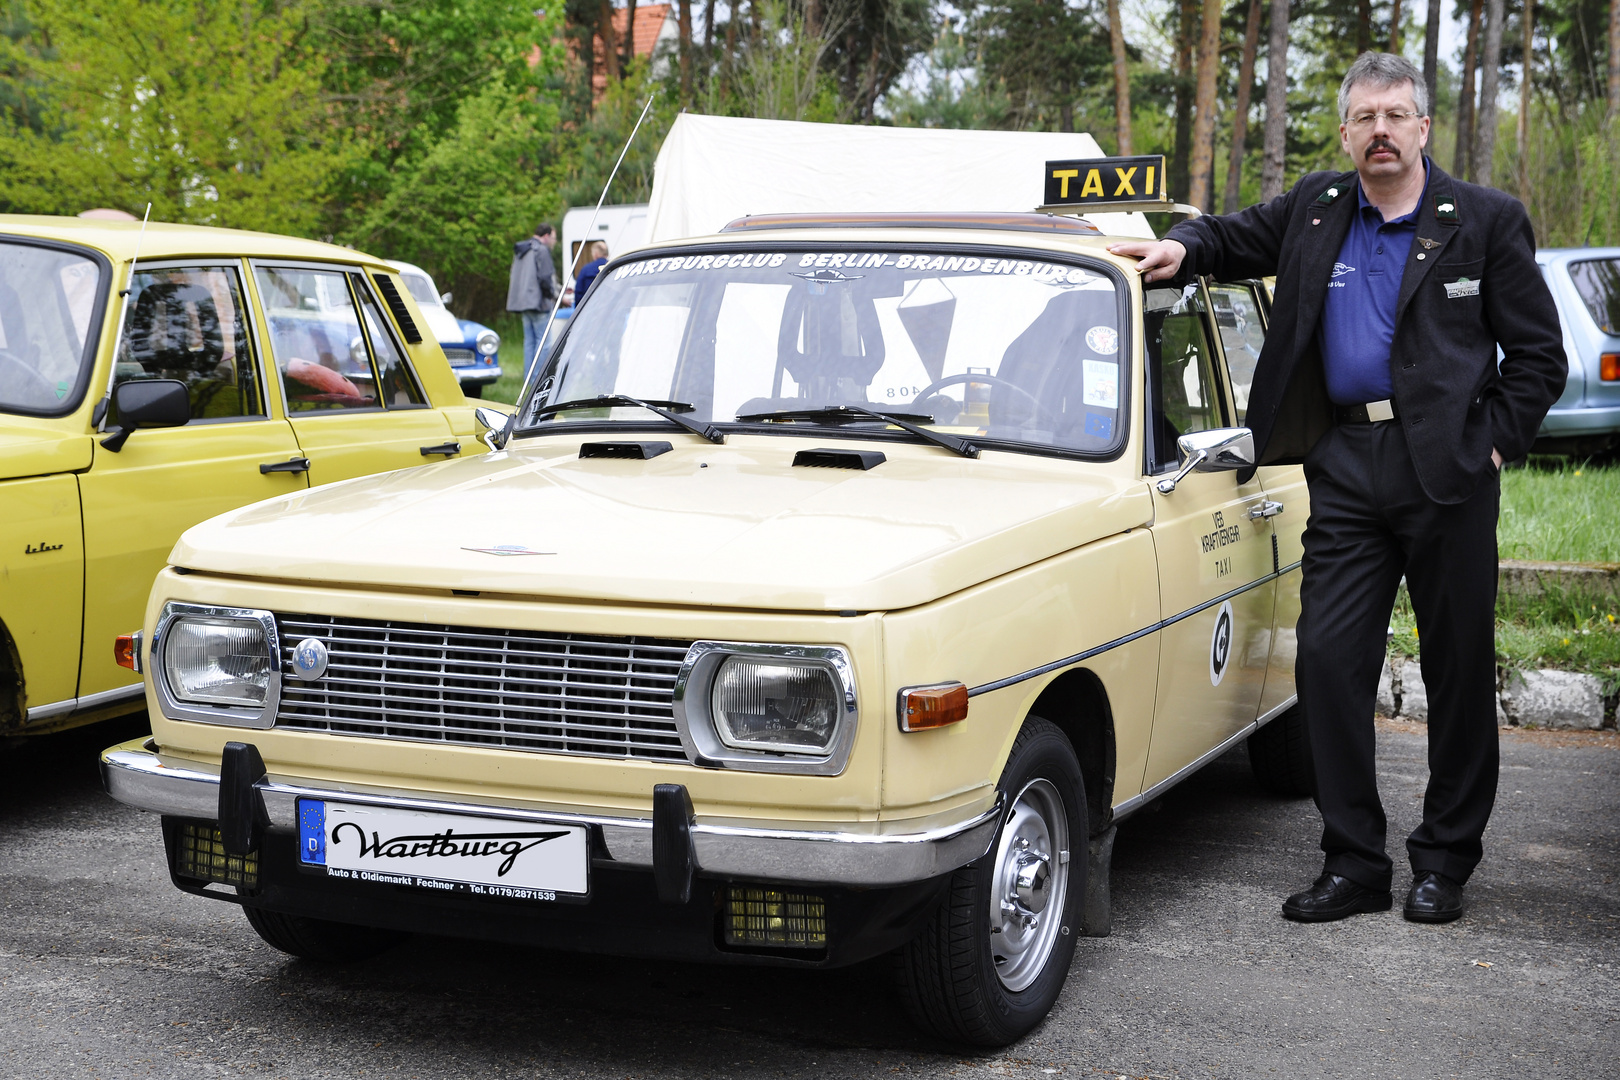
812 18
1431 53
1122 80
1363 26
1525 84
1614 59
708 31
1203 138
730 59
630 33
610 41
1186 44
1395 26
1240 109
1465 98
1490 66
1276 137
685 27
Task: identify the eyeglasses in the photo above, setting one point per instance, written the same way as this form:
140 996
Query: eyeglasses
1396 118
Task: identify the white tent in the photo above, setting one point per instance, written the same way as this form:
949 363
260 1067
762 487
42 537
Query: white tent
714 169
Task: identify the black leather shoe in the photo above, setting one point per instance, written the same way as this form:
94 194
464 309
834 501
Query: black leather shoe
1434 898
1333 897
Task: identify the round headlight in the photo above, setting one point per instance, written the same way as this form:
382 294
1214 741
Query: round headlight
776 703
217 661
489 343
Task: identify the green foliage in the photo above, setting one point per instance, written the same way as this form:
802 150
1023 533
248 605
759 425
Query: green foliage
597 142
1050 57
952 94
212 112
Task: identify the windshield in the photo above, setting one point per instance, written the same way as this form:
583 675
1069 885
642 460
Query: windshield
1023 351
47 300
422 289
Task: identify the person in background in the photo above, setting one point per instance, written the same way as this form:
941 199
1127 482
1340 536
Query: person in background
588 272
532 289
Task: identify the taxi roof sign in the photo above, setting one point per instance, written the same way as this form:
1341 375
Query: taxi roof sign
1107 181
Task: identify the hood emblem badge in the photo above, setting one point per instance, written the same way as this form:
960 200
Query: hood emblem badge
309 659
508 549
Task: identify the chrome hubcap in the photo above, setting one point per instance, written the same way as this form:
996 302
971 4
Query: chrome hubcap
1030 884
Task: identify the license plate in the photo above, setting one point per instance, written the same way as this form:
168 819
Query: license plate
459 853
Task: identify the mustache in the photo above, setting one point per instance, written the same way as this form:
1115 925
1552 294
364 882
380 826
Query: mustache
1381 143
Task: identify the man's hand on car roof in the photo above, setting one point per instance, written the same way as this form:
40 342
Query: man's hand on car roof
1161 259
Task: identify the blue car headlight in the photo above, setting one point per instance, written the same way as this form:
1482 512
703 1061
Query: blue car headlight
488 344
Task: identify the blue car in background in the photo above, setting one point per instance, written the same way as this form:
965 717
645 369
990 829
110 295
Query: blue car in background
1585 283
473 349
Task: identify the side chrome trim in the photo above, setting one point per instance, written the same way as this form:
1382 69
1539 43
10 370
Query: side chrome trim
1067 661
872 854
1136 802
86 703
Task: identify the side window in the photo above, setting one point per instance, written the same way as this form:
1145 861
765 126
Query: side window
189 324
398 390
1185 395
316 339
1243 333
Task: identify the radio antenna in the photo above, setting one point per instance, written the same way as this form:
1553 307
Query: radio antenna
534 361
123 313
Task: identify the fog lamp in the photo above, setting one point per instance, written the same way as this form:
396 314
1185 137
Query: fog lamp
217 661
771 918
776 703
488 343
199 853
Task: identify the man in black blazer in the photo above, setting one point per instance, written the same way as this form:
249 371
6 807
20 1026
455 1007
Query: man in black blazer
1395 285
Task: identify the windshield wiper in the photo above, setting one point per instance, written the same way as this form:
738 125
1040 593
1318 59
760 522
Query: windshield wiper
669 410
834 414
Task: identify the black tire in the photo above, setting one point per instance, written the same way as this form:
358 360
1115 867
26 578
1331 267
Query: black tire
1280 755
472 390
948 976
318 939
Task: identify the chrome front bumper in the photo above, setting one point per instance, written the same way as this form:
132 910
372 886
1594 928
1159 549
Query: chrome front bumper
875 855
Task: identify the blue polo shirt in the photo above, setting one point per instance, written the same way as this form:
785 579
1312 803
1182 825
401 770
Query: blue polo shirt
1358 315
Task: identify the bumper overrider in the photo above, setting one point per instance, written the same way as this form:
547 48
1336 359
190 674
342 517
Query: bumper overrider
876 882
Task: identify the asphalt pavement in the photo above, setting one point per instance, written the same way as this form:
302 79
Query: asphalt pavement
107 971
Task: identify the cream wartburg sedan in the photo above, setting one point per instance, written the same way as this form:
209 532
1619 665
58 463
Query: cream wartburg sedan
837 587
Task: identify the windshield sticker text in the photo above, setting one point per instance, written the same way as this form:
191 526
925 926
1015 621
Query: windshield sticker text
1051 273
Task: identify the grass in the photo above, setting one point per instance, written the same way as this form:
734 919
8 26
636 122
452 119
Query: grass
1559 510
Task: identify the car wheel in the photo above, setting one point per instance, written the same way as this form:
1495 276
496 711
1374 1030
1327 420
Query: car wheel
473 390
319 939
1280 755
991 962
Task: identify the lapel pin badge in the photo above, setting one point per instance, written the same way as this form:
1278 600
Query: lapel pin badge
1316 221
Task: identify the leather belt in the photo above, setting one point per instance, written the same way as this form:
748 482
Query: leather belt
1373 412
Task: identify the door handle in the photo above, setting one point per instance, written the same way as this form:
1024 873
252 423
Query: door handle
449 449
297 464
1264 509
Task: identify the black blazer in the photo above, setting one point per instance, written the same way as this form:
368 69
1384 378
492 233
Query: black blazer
1454 403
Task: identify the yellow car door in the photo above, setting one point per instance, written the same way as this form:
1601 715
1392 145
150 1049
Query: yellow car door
354 403
187 322
1213 542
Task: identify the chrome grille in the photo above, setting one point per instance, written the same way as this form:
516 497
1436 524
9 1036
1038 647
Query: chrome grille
486 686
460 357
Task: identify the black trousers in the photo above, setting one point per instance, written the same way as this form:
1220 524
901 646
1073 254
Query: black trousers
1370 523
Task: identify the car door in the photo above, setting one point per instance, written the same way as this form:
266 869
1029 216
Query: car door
354 403
187 321
1242 314
1215 559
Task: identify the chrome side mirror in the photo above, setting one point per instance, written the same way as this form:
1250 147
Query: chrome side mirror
1215 450
497 424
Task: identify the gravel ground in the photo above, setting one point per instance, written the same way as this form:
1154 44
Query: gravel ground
106 970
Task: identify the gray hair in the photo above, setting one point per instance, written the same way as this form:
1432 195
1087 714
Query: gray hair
1382 69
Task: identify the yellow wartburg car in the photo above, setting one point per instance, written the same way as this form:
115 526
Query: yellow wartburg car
245 366
838 585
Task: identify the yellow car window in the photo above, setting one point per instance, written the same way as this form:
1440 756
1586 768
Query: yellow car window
316 340
399 389
188 323
46 300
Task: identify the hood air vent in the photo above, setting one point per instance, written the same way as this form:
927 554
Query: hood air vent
639 450
823 458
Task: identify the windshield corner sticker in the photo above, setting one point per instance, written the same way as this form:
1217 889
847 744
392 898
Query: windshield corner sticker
1098 425
1101 380
1220 644
1102 340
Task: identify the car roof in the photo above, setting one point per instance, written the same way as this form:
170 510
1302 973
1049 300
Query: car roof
409 268
1549 254
167 240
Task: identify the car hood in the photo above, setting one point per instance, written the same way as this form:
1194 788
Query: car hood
27 448
701 525
446 329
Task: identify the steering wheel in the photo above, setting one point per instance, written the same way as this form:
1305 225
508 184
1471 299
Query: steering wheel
49 388
1041 410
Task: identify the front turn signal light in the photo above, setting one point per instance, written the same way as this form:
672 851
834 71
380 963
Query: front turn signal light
1609 367
923 708
127 651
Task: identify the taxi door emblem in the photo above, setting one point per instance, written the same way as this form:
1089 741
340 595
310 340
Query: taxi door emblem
309 659
1220 644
